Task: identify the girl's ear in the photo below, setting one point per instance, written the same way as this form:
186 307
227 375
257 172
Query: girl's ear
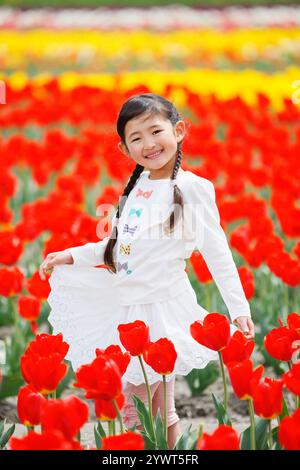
180 130
123 149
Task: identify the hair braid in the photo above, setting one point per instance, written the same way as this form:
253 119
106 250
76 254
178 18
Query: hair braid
178 197
108 254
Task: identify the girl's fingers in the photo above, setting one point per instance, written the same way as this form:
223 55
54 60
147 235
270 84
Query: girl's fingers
251 327
44 268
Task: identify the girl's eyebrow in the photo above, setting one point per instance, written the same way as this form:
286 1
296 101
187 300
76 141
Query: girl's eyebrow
137 132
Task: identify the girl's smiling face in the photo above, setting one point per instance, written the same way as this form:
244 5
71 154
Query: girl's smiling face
151 141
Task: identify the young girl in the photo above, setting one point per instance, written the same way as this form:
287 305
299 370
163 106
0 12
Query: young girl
164 214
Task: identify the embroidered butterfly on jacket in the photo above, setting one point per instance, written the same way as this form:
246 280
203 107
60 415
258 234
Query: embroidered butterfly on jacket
137 212
145 194
125 267
125 249
130 230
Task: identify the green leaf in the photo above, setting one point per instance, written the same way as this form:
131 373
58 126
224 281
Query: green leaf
133 428
222 416
149 444
144 416
98 440
6 436
285 411
2 424
187 441
199 379
261 435
101 429
276 444
63 384
159 431
11 384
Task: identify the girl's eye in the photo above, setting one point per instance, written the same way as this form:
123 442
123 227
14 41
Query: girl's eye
158 130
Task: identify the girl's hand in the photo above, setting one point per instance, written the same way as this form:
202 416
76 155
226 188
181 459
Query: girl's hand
246 325
52 259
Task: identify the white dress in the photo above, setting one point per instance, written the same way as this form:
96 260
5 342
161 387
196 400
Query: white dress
151 284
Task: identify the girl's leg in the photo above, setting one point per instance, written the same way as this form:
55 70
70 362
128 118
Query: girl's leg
172 418
129 414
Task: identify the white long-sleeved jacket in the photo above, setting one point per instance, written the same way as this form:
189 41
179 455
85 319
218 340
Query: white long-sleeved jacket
151 263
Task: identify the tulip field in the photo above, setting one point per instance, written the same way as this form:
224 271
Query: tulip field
235 77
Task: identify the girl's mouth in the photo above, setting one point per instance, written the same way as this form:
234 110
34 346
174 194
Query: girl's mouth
154 155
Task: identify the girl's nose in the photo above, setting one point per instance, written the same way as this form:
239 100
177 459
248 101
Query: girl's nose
148 143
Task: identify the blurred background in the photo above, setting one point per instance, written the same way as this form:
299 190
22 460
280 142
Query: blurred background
233 70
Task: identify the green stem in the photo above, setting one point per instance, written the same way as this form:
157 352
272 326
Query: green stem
165 409
290 364
286 297
119 416
149 397
270 435
297 401
224 382
278 420
16 319
200 430
252 424
110 428
114 427
207 297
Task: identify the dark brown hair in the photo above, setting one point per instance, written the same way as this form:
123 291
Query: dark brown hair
149 103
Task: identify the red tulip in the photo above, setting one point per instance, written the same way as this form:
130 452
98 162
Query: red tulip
247 280
115 353
101 379
280 343
105 410
49 440
242 376
67 415
44 345
37 287
127 441
200 267
29 406
134 336
29 309
223 438
293 321
11 281
11 247
213 332
238 349
292 379
289 431
267 398
44 373
161 356
41 363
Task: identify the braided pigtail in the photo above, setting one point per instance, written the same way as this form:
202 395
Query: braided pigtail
178 196
108 253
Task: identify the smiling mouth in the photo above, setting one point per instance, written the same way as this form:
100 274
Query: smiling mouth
154 155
